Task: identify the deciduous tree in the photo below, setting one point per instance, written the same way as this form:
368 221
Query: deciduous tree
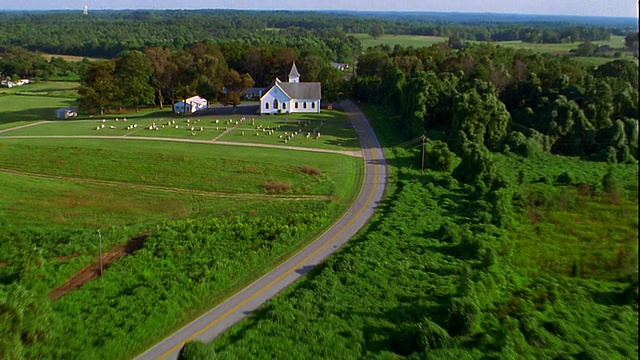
133 72
97 89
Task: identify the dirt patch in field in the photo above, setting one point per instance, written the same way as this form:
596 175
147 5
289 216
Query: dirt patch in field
310 170
276 187
93 271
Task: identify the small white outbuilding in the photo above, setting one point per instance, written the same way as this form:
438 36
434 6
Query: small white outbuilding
66 113
191 105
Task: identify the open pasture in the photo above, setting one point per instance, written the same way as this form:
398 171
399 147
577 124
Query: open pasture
227 169
403 40
615 42
65 89
18 110
36 199
69 58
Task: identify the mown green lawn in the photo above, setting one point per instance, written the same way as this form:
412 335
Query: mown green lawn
190 166
18 110
35 201
67 89
336 132
403 40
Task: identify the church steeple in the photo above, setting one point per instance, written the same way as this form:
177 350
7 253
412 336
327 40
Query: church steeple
294 75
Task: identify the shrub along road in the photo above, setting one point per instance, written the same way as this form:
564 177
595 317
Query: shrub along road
210 325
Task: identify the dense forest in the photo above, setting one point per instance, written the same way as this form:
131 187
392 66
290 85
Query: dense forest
507 100
108 33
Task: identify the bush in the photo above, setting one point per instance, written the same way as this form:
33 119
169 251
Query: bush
276 187
611 186
517 143
501 209
405 340
439 157
464 316
432 336
476 164
608 155
448 232
197 350
309 170
565 179
630 293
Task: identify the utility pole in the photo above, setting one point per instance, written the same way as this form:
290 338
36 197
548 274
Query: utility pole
100 246
424 145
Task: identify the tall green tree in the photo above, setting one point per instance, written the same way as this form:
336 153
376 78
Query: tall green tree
163 70
209 69
236 85
376 31
631 41
133 73
334 85
480 115
98 87
22 62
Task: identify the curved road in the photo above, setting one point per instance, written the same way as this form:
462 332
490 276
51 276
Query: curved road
208 326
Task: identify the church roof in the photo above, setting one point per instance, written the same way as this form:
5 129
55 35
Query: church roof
302 90
294 71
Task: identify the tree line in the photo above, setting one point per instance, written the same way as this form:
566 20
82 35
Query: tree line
216 72
108 34
507 100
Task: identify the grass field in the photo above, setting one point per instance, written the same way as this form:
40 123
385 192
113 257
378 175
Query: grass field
38 199
421 41
18 110
70 58
403 40
64 89
615 42
25 104
214 216
335 129
215 168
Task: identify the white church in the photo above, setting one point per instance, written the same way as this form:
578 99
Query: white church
291 97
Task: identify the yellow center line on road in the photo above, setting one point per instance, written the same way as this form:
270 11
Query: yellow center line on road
286 273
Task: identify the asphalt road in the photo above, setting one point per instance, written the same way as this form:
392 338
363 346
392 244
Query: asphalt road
214 322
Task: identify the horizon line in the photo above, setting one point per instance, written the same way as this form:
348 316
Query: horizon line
324 10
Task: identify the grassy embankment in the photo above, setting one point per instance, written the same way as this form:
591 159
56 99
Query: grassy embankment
432 276
215 217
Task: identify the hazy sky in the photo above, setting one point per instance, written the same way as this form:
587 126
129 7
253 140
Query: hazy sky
624 8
